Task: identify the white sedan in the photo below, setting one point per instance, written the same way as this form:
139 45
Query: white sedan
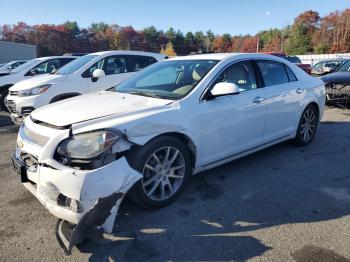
148 135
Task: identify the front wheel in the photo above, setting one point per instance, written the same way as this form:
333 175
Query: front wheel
166 168
307 126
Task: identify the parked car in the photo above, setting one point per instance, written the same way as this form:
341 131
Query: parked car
7 68
338 86
293 59
89 73
327 66
76 54
150 133
34 67
305 67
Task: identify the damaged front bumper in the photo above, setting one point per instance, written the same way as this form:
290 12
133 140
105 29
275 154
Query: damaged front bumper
82 199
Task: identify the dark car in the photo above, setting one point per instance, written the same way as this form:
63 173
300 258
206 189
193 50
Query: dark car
338 86
293 59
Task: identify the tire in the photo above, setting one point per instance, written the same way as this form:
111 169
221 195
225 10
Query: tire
307 126
149 160
3 94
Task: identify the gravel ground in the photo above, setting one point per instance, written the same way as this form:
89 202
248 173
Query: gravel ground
284 203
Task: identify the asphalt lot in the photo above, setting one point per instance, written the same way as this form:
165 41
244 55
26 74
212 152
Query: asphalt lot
285 203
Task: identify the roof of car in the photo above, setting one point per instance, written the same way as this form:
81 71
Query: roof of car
125 52
222 56
334 59
53 57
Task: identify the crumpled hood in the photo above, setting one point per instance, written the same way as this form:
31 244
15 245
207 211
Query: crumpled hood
337 77
95 105
37 81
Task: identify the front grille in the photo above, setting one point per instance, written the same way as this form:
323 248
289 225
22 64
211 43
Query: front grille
11 106
30 161
338 94
33 137
13 93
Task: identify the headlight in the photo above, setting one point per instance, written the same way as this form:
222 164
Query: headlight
87 145
34 91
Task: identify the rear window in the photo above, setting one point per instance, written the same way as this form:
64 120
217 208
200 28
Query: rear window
137 62
273 73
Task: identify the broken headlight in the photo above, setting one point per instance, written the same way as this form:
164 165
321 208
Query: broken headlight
87 145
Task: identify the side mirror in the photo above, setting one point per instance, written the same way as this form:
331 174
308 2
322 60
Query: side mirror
33 72
98 73
222 89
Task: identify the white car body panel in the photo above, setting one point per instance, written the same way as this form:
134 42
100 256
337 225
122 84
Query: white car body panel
218 130
71 83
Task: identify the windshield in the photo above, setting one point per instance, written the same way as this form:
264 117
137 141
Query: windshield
294 59
25 66
4 66
168 79
75 65
345 67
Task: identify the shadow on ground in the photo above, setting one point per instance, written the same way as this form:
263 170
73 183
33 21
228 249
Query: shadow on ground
281 185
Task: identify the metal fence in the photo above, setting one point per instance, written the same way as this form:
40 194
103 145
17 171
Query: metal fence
313 59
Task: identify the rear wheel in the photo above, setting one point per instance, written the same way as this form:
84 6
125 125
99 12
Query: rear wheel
307 126
165 166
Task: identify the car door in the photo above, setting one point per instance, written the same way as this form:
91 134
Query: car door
115 68
235 123
282 99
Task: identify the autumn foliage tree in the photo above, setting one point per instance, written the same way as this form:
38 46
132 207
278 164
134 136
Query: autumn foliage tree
309 33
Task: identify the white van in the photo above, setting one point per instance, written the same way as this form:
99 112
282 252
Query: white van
89 73
34 67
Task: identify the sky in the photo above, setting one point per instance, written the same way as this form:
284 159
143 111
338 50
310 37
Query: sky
221 16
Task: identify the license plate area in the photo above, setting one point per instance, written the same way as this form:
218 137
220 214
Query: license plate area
20 169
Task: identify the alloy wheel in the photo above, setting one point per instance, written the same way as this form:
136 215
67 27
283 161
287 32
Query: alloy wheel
163 173
308 124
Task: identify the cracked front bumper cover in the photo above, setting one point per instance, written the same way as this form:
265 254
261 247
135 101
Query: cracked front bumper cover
69 235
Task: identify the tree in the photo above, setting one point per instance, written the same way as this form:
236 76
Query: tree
169 50
305 25
308 33
222 43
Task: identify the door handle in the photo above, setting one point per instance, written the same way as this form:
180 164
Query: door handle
258 99
299 90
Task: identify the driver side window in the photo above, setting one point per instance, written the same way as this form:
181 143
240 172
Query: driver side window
89 71
241 74
46 67
110 65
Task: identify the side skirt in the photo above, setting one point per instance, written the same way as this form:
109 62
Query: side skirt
241 154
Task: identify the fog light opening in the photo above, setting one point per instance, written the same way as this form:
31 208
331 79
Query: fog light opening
69 203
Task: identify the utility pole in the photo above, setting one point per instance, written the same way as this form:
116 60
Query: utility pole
257 44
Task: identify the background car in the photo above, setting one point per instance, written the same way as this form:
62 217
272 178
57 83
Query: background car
305 67
338 86
327 66
7 68
34 67
89 73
